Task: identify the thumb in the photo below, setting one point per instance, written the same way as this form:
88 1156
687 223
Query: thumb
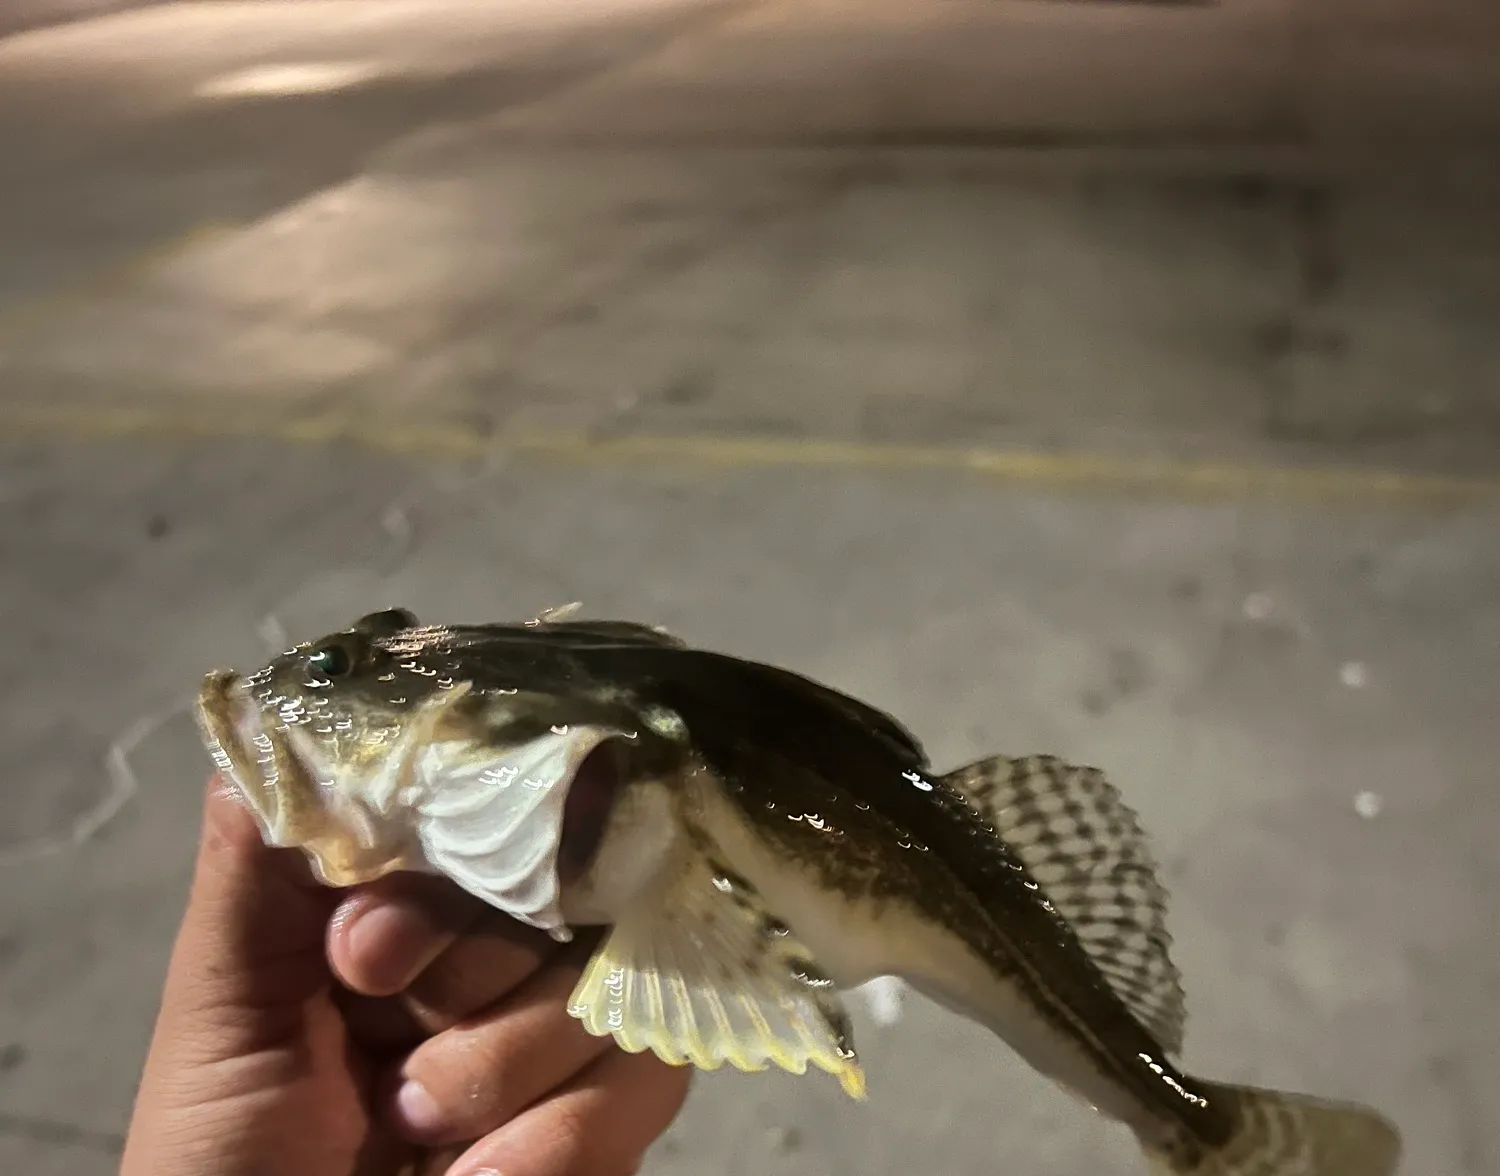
251 943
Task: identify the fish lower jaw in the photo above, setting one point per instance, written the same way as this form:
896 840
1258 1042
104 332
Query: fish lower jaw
267 767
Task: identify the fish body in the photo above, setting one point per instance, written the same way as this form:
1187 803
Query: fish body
756 843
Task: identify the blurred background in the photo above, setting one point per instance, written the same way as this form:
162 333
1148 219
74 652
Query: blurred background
1117 380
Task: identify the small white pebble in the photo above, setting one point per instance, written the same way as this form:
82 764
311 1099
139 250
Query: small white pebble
1354 674
1257 606
1368 805
396 522
884 995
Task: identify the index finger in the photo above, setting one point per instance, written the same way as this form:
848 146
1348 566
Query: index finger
447 953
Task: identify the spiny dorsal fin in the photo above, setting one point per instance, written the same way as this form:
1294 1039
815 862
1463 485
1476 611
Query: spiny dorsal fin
707 975
557 620
1084 846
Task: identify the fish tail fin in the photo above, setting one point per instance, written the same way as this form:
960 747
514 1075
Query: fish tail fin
1282 1134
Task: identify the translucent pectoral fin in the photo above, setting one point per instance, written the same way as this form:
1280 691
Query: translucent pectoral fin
706 975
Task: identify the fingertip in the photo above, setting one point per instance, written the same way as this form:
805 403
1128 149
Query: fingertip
417 1114
227 822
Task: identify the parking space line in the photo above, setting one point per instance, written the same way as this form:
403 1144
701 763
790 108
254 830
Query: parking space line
1094 472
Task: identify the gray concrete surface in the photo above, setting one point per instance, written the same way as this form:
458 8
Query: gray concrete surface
1321 948
294 356
25 16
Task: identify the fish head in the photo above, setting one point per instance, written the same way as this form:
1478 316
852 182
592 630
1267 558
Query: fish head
319 727
389 745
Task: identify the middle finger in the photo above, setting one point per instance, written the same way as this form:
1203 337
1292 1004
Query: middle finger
473 1078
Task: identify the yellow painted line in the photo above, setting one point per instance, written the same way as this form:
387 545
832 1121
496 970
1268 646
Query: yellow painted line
1095 472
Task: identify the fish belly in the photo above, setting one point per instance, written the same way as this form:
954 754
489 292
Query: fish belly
857 939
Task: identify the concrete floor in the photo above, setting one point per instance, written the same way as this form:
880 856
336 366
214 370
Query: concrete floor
1180 460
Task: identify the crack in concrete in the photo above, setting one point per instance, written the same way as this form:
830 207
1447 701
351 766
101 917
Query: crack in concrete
123 786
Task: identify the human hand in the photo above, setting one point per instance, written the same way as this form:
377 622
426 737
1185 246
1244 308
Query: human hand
476 1005
262 1063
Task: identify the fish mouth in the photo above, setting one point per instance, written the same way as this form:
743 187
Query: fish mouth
242 745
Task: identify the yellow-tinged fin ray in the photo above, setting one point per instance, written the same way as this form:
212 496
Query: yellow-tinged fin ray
1282 1134
706 975
1084 846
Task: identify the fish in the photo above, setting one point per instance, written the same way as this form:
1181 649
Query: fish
750 845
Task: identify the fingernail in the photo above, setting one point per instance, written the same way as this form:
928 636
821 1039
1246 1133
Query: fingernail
417 1109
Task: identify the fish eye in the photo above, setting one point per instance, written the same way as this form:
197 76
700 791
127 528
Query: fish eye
332 661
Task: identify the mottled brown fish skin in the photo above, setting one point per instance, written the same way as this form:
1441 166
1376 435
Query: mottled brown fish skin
859 848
